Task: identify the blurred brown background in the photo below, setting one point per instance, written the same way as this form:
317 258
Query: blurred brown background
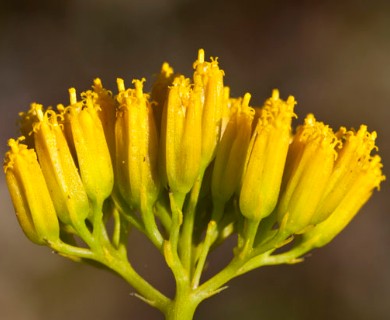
333 56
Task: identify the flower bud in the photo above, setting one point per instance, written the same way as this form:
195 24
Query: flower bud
93 156
367 175
309 166
266 158
231 152
181 135
209 78
351 157
136 147
30 195
61 175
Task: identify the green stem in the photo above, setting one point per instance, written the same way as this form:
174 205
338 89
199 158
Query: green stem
151 227
99 230
186 240
211 236
184 305
101 250
164 215
116 235
71 252
280 239
170 247
213 285
177 201
290 257
250 232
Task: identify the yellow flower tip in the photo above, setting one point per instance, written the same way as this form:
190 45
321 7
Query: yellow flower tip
139 84
246 99
367 138
318 132
97 83
291 101
166 70
15 145
181 86
277 112
28 120
200 56
49 117
375 166
37 110
203 68
275 94
15 148
121 84
72 96
61 108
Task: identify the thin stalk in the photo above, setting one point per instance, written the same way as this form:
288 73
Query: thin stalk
170 246
214 284
70 251
116 234
177 201
150 225
211 235
186 240
250 232
99 231
164 215
290 257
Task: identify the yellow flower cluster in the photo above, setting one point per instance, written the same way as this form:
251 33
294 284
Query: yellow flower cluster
136 148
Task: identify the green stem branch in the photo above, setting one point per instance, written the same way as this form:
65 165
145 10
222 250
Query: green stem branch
186 240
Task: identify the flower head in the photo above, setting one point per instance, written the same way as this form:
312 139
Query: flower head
309 165
59 168
136 146
181 135
266 158
355 175
30 195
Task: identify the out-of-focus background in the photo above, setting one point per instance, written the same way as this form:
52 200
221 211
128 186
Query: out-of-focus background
333 56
